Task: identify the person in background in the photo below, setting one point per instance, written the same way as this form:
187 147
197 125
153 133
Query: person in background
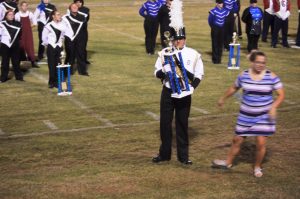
297 45
257 111
42 15
252 17
238 24
268 20
149 11
52 37
216 21
75 41
281 22
7 5
232 7
10 32
27 19
164 21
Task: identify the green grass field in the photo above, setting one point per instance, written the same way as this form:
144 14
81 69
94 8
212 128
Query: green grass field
99 142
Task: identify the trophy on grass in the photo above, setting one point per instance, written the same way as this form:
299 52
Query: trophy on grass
234 59
64 84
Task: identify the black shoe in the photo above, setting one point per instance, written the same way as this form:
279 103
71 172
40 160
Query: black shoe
187 162
158 159
84 74
264 40
50 86
34 65
286 46
273 46
87 62
20 79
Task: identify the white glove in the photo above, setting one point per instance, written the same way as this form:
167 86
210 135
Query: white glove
234 14
166 68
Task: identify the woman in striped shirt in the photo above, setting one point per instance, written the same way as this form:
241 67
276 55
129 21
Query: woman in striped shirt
257 111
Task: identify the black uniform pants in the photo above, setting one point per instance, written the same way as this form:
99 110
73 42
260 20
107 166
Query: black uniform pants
268 21
151 30
238 25
13 54
252 42
75 50
228 29
282 25
298 33
163 29
182 110
41 47
85 38
217 40
53 55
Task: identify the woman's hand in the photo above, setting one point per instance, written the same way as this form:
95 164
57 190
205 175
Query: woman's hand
221 102
272 113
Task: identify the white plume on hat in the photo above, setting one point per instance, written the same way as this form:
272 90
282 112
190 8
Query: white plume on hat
176 15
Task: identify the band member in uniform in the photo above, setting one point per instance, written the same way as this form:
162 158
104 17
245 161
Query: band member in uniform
164 21
268 20
10 32
238 24
7 5
27 19
216 21
42 14
281 22
53 35
252 17
298 32
149 11
232 7
182 65
75 42
84 11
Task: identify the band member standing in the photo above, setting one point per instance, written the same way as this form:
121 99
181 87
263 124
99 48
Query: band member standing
10 32
164 21
84 11
52 37
252 16
216 21
268 20
232 7
75 42
281 22
188 61
298 32
42 14
149 11
27 19
7 5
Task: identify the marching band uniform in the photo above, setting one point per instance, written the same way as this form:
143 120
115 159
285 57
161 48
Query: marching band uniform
7 5
216 21
268 19
164 21
52 37
232 7
75 42
42 14
149 11
26 43
281 22
252 16
10 32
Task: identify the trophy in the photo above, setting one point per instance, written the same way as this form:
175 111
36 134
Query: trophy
234 59
64 84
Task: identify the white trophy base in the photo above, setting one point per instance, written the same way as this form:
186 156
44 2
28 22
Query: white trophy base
183 93
64 93
233 68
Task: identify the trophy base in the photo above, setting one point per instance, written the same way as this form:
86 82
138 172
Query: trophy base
233 68
64 93
183 93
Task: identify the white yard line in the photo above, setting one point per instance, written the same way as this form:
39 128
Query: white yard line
50 125
153 115
200 110
76 102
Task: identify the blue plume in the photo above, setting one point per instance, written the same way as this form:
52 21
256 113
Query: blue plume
41 6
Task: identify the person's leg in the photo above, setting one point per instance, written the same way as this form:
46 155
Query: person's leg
15 59
284 31
277 27
298 33
214 45
154 31
4 63
51 65
147 29
235 149
249 44
80 56
266 25
260 150
166 117
182 112
255 42
41 47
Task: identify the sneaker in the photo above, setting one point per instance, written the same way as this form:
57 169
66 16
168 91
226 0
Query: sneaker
295 46
221 164
257 172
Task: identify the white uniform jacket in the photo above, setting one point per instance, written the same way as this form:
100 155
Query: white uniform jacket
53 34
71 32
9 33
29 14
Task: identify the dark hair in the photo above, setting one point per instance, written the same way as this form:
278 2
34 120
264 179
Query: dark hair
254 53
6 13
253 1
81 1
51 15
